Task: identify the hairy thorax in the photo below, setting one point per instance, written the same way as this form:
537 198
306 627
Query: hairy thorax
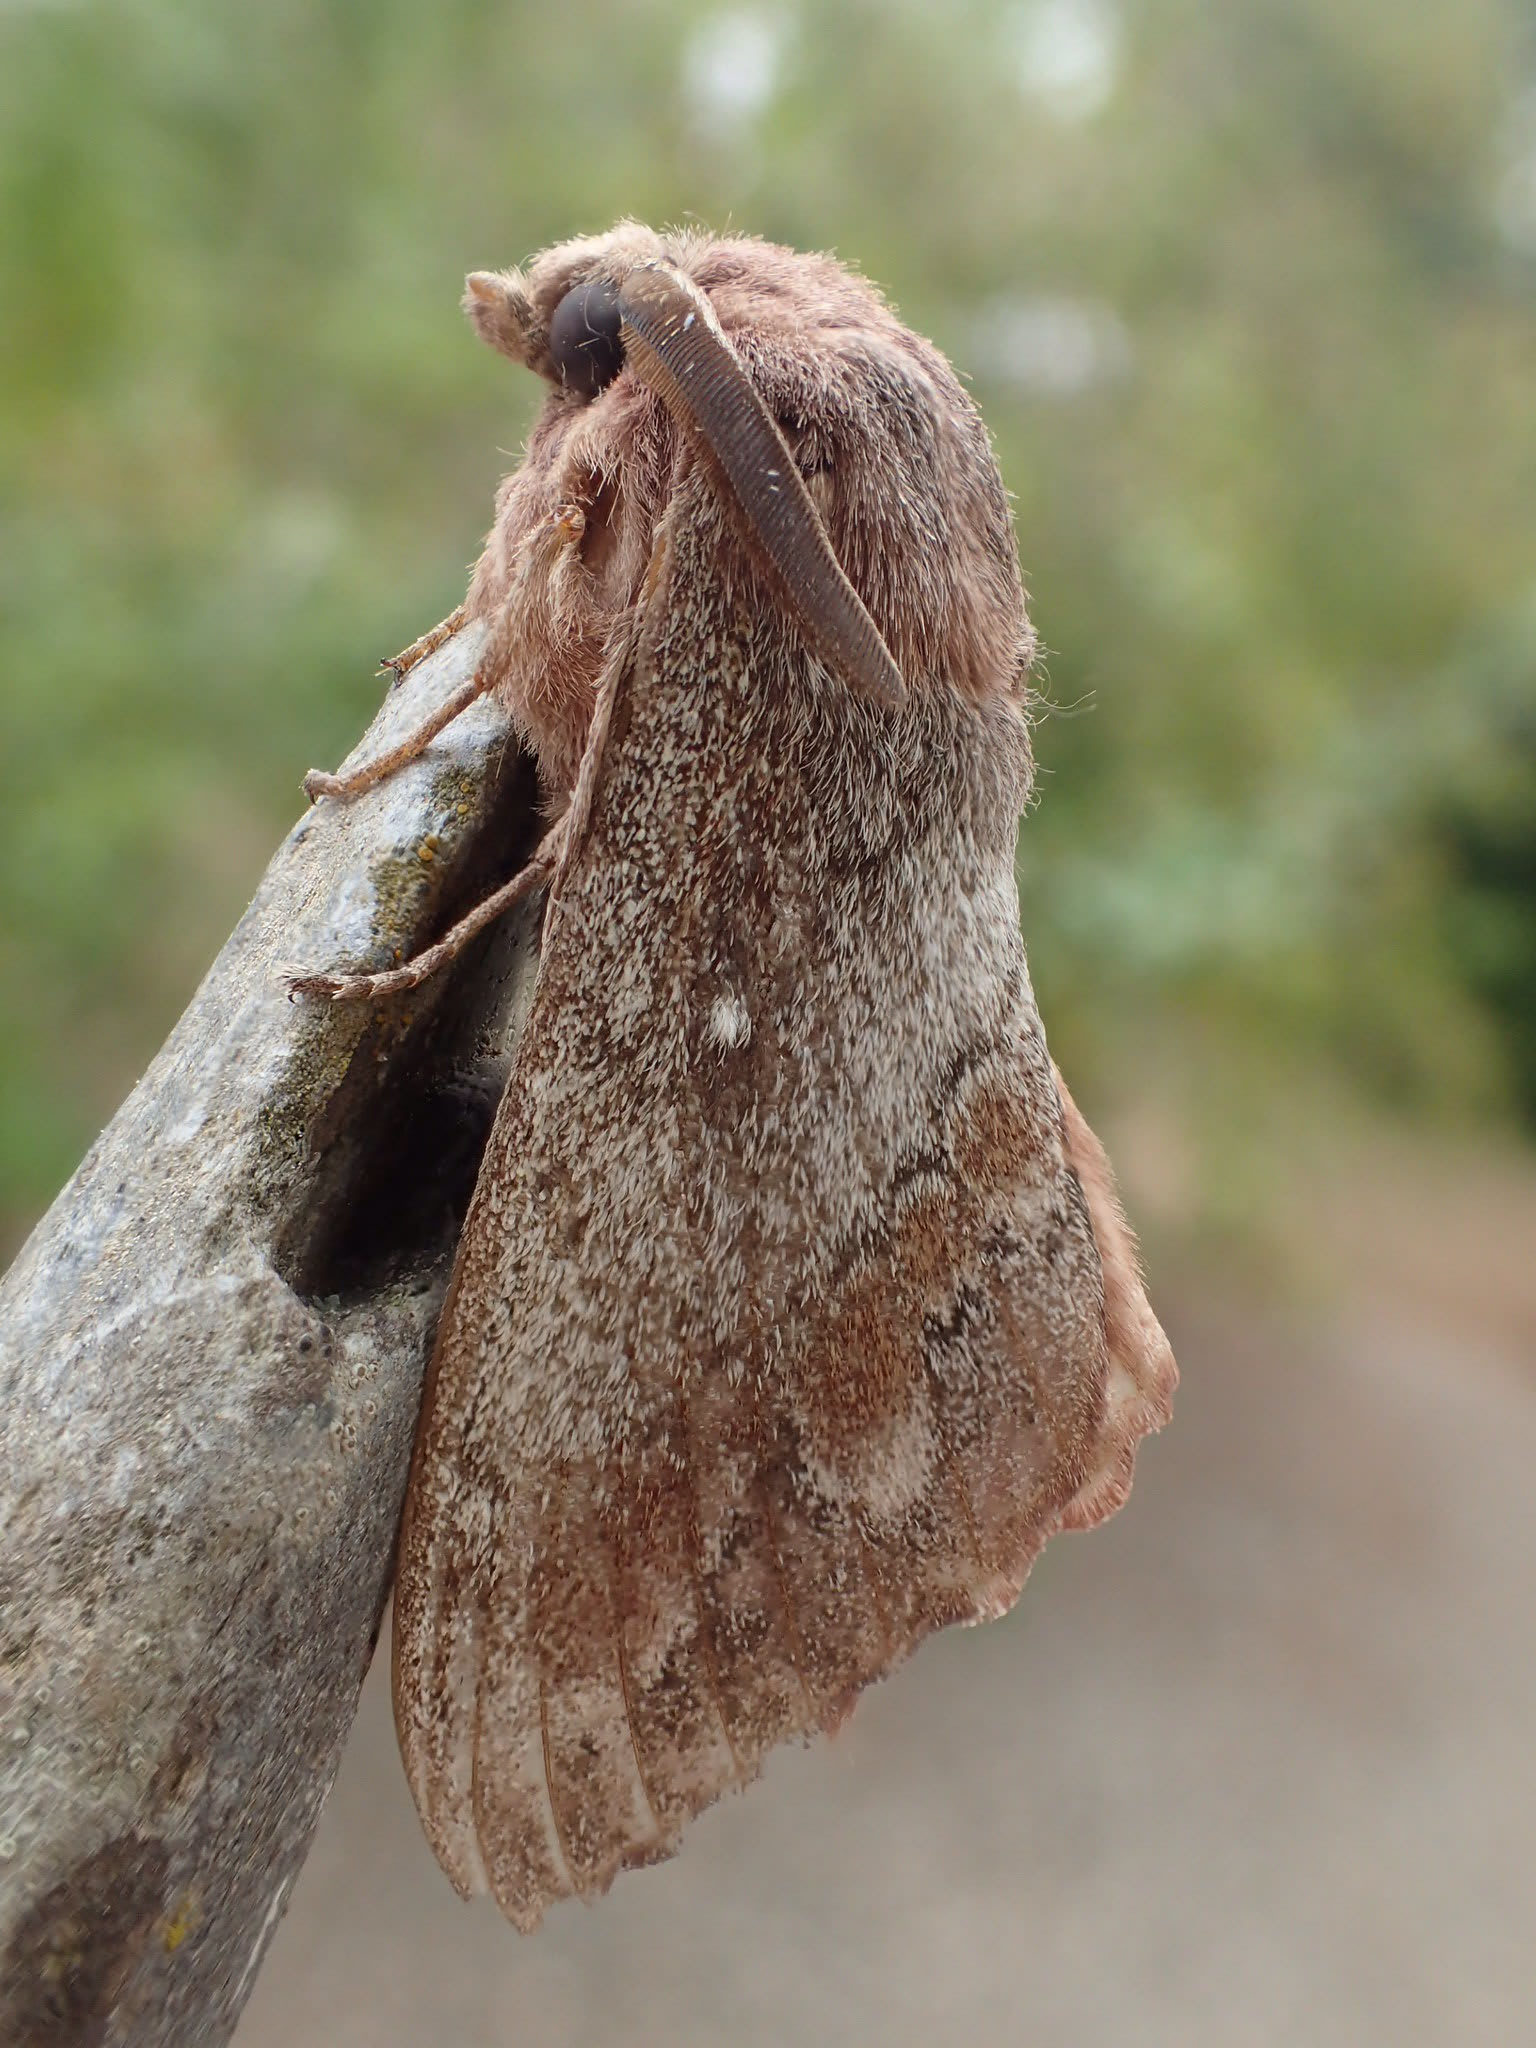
893 453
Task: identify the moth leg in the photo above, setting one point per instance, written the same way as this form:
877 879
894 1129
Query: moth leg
402 663
355 988
318 783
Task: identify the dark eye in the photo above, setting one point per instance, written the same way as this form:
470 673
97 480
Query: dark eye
584 343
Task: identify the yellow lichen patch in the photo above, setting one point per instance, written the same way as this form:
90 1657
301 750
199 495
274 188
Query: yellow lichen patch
427 851
180 1923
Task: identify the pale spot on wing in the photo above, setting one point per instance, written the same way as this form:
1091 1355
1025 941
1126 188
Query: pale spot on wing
730 1023
895 1468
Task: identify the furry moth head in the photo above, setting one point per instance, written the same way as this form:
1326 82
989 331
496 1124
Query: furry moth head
794 1309
838 441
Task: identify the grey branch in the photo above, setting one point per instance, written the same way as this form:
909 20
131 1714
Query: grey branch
211 1354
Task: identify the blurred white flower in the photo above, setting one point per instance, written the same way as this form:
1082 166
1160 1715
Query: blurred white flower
1048 346
1514 199
731 68
1066 54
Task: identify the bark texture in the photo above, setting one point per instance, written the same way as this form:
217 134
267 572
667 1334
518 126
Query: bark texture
211 1353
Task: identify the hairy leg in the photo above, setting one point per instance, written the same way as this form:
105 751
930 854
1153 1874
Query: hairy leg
403 662
353 988
318 782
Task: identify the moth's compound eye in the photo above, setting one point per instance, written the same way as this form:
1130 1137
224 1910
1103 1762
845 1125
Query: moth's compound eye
584 343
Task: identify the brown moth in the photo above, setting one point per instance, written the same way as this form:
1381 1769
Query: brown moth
794 1309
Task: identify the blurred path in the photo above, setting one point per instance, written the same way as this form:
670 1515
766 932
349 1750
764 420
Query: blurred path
1253 1765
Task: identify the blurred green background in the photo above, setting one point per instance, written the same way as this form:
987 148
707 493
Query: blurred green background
1246 291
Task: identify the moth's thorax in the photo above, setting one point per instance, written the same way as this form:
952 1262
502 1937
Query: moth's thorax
893 452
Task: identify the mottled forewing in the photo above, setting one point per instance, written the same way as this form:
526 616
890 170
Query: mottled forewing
778 1334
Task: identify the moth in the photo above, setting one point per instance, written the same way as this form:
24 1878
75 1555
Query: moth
794 1309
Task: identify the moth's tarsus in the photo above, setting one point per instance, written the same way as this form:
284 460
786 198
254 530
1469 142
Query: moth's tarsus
394 981
425 644
319 987
320 782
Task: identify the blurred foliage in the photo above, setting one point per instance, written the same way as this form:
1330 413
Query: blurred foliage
1248 293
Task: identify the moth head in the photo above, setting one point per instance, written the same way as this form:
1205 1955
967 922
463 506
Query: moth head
852 468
